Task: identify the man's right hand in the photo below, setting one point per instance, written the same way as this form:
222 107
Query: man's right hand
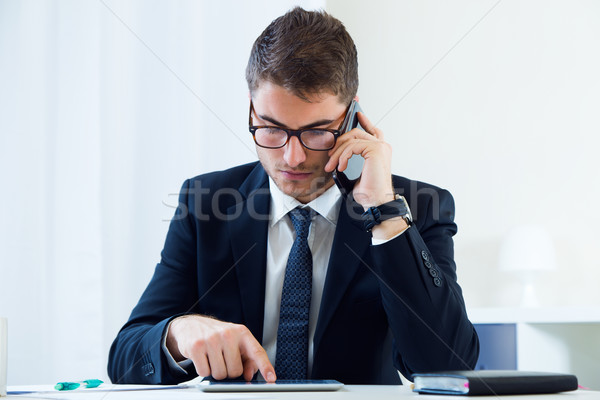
218 349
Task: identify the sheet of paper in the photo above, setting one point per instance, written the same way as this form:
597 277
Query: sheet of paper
116 392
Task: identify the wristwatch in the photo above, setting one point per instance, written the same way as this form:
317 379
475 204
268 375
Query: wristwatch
395 208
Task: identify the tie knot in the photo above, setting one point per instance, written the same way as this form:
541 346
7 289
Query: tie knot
301 220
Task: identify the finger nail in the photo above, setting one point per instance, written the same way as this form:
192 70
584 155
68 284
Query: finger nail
270 376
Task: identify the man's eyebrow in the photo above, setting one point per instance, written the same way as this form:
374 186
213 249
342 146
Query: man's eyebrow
312 125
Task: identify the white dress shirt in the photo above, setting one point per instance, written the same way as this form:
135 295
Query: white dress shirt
280 240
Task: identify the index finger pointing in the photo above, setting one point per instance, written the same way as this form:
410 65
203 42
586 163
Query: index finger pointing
254 355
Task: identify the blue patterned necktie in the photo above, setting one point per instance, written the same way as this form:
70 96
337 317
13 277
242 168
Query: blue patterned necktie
291 361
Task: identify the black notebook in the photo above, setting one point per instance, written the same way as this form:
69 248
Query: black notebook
493 382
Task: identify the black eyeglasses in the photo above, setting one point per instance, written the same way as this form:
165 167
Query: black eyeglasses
275 137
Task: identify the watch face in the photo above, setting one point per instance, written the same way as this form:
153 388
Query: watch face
408 216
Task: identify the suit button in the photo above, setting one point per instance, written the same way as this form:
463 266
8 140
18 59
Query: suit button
433 272
424 255
437 281
428 264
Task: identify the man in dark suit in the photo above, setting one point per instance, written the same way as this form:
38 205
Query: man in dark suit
268 268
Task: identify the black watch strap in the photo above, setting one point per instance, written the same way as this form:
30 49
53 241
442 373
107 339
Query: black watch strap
395 208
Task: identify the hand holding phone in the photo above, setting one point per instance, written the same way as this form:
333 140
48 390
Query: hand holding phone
365 158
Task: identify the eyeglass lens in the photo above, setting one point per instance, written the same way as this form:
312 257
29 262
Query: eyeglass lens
316 139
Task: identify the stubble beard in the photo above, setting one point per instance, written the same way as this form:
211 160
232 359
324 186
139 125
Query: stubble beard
318 185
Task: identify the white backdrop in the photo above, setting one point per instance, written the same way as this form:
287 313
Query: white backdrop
106 107
498 102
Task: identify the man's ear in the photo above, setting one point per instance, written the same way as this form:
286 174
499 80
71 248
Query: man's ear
356 98
249 95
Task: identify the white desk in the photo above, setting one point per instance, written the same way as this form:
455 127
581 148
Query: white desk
348 392
553 339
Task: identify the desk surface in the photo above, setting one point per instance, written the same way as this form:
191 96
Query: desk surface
112 392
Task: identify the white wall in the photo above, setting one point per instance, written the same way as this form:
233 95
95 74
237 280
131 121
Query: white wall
498 102
106 107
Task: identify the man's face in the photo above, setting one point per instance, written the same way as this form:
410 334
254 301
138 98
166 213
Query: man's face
297 171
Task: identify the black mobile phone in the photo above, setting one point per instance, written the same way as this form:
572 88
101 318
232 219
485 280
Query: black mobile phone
346 180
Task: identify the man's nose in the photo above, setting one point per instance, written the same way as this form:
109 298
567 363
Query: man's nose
295 153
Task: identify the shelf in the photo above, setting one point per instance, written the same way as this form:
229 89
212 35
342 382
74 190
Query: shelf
553 339
542 315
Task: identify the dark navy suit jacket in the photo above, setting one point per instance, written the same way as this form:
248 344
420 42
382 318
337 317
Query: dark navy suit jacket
396 306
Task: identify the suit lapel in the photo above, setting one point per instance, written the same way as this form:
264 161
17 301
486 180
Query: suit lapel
349 238
248 230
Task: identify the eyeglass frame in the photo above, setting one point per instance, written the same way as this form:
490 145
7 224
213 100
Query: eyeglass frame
295 132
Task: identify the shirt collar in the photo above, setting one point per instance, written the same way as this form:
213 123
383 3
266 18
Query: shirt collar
326 205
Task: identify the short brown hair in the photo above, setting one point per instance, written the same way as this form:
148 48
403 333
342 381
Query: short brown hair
306 52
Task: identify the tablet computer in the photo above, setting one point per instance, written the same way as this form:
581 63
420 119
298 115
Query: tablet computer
281 385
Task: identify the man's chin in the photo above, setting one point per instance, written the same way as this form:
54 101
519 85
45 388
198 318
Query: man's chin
294 191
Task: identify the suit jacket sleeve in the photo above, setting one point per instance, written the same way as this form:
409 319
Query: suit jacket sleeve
136 355
420 293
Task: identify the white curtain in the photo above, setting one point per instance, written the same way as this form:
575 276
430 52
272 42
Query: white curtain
105 108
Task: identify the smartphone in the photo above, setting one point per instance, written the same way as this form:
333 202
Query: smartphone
346 180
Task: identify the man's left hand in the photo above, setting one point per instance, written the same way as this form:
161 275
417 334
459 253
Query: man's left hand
375 184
